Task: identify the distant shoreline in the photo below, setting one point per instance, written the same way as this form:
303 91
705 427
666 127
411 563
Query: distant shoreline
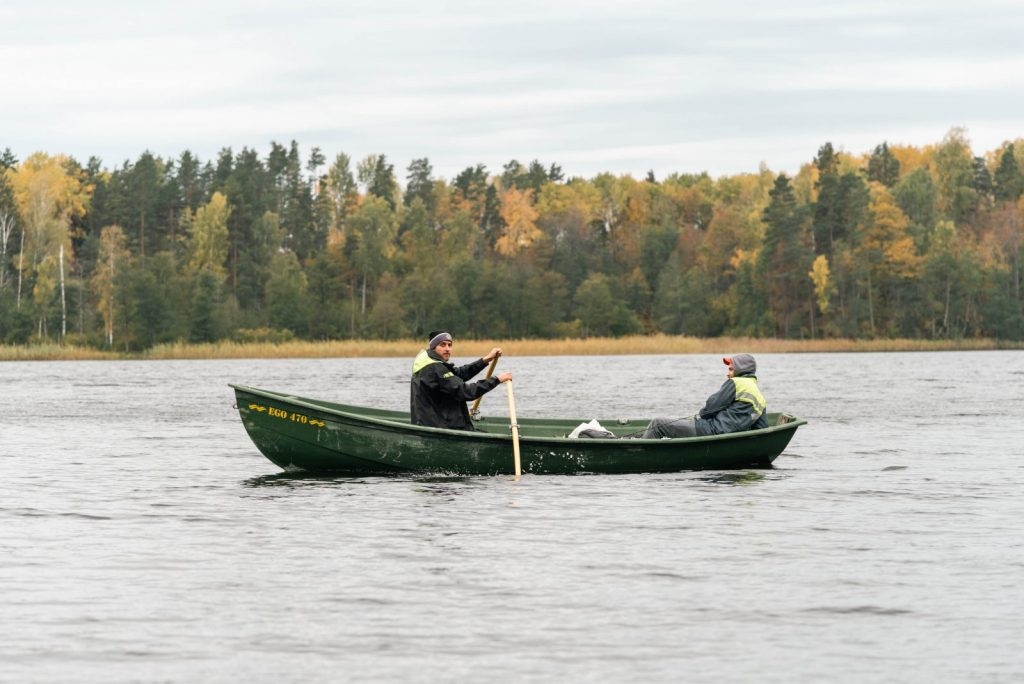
594 346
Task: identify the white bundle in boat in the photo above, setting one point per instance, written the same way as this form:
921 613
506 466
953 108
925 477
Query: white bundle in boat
591 430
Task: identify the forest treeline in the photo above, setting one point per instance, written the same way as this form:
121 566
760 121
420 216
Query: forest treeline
900 242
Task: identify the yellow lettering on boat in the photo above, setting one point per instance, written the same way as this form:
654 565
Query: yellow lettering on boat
290 416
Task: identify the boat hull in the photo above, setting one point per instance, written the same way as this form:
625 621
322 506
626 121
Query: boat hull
302 434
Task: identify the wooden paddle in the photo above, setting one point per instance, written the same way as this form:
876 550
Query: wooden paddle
515 428
476 404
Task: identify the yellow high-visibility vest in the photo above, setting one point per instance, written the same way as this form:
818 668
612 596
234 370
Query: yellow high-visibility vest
748 391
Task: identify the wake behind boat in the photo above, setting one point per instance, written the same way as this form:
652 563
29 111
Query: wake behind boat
303 434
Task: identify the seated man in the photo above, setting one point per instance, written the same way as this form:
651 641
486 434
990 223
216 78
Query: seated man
439 391
737 405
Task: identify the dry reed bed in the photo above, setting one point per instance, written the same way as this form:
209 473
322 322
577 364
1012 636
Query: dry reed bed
594 346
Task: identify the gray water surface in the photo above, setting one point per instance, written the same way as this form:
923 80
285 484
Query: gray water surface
143 537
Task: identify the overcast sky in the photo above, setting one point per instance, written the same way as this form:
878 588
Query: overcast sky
592 85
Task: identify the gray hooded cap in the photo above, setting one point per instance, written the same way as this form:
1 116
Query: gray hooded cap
742 364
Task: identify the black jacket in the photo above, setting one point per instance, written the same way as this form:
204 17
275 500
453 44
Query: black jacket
439 391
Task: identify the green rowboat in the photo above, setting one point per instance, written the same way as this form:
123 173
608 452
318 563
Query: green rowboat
301 434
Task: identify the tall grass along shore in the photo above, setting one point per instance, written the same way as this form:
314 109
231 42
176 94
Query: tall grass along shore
593 346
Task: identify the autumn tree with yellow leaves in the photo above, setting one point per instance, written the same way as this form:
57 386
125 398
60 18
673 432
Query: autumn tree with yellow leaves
889 257
520 222
50 192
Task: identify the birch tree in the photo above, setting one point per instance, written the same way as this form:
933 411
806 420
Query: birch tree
113 257
49 192
374 228
7 212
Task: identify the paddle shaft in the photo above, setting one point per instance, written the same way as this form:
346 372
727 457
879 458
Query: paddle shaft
476 404
515 428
